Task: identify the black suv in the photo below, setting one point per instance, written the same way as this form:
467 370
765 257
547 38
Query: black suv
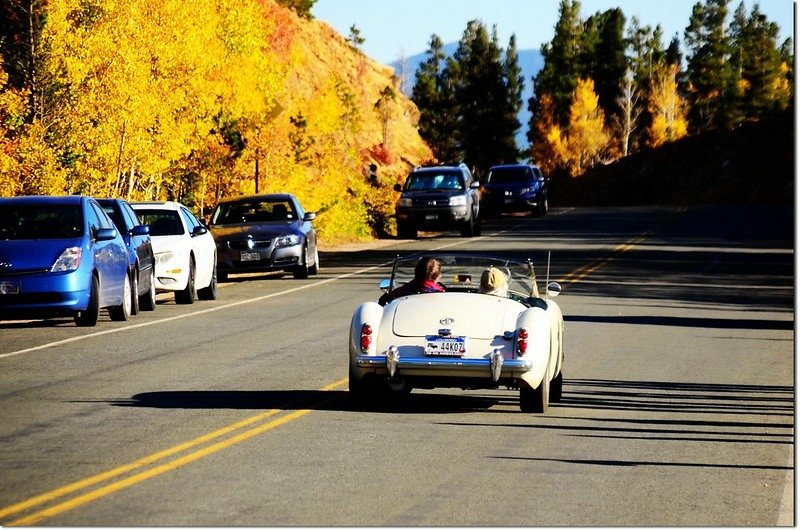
439 198
515 188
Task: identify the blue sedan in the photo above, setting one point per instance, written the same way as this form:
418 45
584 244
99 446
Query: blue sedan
61 256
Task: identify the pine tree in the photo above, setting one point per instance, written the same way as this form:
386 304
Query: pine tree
433 95
603 56
758 63
482 98
508 151
712 84
561 71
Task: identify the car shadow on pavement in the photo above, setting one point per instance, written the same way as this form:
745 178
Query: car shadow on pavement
422 403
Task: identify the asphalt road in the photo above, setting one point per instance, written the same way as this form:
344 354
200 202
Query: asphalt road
678 404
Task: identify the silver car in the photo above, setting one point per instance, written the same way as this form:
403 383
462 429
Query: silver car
261 233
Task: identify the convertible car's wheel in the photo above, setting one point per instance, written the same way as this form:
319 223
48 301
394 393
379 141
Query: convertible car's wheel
360 389
555 388
147 302
536 399
210 292
89 316
122 312
188 295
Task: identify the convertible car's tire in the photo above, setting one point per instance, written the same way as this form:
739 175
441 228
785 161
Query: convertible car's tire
555 388
210 292
360 389
122 312
147 302
188 295
88 317
534 400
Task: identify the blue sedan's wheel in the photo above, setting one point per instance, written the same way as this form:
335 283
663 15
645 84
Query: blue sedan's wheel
147 301
135 293
88 317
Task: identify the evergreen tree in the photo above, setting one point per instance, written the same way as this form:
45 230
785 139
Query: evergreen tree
481 97
561 71
646 55
757 60
433 94
508 151
712 83
603 56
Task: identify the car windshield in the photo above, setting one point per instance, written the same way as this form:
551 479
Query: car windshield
509 175
462 272
253 212
434 180
40 221
161 222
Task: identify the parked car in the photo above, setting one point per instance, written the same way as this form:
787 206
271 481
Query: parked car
438 199
269 232
61 256
461 338
141 260
185 253
515 188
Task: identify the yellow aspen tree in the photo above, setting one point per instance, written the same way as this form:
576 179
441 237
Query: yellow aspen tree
667 108
548 153
587 137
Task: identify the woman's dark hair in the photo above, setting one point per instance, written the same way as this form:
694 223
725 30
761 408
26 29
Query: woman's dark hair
428 269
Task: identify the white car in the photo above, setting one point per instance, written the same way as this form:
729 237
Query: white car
461 338
184 249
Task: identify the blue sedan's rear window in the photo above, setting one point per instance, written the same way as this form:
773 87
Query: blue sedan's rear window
40 221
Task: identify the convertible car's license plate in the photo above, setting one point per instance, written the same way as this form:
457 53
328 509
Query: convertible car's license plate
250 256
445 346
9 287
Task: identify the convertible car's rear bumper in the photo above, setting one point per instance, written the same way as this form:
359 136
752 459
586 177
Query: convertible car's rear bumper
494 366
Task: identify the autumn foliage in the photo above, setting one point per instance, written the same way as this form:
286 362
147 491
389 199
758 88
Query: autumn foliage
196 101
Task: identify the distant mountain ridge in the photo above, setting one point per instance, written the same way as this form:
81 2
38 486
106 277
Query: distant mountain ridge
530 61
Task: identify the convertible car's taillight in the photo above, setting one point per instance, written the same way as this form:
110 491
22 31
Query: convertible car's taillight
366 337
522 341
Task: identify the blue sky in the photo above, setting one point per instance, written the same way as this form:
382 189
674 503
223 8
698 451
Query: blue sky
394 27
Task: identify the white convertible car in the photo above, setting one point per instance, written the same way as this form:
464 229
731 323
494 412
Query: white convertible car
461 338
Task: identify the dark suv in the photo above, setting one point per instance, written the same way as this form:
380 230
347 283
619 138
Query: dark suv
437 199
515 188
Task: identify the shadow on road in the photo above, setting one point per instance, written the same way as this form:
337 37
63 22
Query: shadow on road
307 399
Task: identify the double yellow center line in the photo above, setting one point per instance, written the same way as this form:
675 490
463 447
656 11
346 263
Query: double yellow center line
254 428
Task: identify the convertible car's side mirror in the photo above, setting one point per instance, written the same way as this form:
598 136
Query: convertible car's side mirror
384 285
553 289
